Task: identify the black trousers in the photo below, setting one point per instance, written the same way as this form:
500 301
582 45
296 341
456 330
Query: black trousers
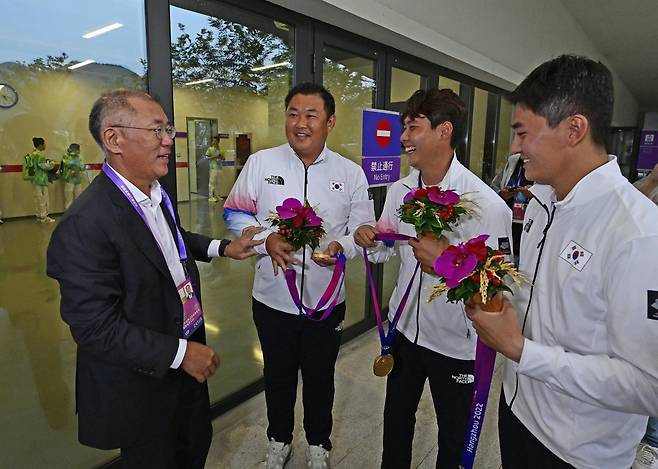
291 342
185 444
519 449
451 385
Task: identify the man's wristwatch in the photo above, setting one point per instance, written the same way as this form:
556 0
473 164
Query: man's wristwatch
222 246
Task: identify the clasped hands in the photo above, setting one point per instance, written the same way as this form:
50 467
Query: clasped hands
426 249
280 251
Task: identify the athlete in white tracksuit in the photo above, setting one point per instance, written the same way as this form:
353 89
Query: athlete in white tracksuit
581 339
304 169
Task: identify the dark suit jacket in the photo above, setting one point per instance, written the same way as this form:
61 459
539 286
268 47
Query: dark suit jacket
124 312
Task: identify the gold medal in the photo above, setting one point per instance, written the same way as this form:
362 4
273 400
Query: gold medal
383 365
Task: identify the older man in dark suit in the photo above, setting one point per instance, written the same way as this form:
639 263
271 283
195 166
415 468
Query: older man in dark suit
124 265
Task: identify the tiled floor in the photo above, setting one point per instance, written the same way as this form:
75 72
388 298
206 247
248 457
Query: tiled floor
240 440
37 364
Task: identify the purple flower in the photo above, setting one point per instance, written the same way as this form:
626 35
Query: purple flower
302 215
455 264
290 208
442 197
312 219
409 195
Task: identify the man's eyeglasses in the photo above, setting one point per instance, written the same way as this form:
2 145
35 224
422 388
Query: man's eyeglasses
160 132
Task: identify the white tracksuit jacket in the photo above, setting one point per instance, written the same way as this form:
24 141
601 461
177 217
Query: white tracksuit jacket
588 374
440 326
334 185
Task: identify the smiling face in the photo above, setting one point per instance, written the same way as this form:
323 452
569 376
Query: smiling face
307 125
544 150
421 142
144 156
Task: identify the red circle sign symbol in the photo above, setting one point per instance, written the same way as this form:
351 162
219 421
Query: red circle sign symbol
383 133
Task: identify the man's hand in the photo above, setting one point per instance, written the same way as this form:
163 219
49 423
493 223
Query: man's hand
278 248
506 193
650 183
653 175
200 361
525 190
427 249
500 331
326 258
243 247
364 236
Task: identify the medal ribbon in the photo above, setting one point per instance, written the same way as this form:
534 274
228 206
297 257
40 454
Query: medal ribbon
336 282
485 358
387 338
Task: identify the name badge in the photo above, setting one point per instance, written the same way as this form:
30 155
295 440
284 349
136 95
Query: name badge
192 314
518 211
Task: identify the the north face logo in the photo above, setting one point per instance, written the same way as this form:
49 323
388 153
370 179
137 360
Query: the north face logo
463 378
276 180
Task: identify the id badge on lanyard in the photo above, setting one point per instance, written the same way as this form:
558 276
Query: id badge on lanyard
192 314
518 211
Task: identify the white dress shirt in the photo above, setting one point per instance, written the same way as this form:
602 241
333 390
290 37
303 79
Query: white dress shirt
165 239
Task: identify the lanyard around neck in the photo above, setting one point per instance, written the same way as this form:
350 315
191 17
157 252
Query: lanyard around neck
114 177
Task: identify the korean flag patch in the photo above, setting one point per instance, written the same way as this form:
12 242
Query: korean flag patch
336 186
652 305
576 255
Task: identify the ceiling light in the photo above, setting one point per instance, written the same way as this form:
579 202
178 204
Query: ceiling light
103 30
266 67
205 80
81 64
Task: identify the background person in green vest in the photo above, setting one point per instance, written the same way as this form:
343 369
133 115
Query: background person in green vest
216 158
72 168
41 166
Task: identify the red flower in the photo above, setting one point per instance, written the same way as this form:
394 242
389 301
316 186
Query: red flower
298 220
477 247
420 194
475 277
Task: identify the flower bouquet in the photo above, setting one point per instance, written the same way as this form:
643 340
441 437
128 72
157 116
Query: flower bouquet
298 223
473 271
432 211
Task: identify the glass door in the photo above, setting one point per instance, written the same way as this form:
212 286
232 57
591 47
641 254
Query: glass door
351 71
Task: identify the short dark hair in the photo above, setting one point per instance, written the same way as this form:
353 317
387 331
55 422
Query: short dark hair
308 88
438 106
111 102
568 85
37 141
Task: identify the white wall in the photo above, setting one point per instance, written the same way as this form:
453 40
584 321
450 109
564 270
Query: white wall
650 121
499 41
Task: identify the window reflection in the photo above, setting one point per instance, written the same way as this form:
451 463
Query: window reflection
504 138
351 80
478 127
230 76
57 68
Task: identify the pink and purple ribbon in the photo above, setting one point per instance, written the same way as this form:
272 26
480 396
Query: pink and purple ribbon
386 338
485 357
336 282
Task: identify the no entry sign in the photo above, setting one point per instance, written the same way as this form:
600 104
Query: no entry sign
381 146
381 133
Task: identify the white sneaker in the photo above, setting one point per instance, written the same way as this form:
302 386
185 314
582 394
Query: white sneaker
317 457
278 454
646 457
212 199
48 220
